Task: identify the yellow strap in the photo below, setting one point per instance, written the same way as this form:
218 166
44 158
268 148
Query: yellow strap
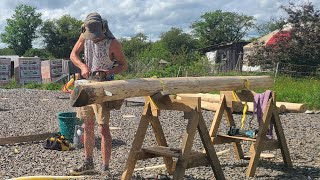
245 109
163 87
235 97
152 102
244 113
246 83
161 82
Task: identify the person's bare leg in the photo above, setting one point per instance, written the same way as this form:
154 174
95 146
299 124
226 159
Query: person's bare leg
88 165
89 139
106 144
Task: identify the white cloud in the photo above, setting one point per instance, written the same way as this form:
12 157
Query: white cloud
152 17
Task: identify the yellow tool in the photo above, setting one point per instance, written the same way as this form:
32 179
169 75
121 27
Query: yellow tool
69 84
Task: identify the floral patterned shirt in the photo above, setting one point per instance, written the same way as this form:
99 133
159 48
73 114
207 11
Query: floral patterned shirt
96 55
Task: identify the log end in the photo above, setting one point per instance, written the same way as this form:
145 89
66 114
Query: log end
79 97
282 108
303 108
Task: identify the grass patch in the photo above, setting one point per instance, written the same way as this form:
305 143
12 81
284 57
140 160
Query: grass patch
298 90
295 90
48 86
12 85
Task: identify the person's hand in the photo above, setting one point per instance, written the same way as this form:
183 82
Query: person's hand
85 72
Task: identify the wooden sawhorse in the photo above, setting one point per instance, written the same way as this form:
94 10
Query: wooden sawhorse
261 143
186 158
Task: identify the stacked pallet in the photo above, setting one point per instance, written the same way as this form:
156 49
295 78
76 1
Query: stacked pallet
51 70
69 68
5 70
27 70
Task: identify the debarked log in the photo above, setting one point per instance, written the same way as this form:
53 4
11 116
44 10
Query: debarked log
98 92
237 106
281 107
293 107
213 98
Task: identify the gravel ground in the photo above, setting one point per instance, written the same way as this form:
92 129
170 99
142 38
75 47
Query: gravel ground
25 112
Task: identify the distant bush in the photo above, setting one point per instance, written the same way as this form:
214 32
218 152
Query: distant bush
52 86
33 86
42 53
12 85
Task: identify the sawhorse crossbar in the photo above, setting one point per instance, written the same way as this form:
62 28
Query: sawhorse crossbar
260 143
186 158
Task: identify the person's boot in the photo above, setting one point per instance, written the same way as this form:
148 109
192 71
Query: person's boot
86 168
105 171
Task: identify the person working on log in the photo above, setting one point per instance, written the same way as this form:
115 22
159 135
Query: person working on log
101 50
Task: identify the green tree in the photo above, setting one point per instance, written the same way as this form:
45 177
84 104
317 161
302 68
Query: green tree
60 35
21 28
222 27
305 44
157 50
176 41
7 51
133 48
300 47
135 45
268 27
42 53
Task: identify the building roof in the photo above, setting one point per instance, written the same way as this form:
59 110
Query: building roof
271 37
221 46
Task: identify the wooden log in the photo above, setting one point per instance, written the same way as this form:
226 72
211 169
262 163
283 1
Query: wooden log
236 106
281 107
263 156
213 98
210 106
98 92
293 107
48 177
27 138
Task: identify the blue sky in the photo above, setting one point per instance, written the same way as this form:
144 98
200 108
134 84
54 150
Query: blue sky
151 17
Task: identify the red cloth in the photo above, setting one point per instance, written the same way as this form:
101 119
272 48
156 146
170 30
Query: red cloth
281 35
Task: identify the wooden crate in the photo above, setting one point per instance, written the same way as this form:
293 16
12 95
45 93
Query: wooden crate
51 69
30 80
69 68
27 69
5 70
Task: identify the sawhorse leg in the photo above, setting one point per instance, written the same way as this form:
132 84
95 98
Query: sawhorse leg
137 143
147 117
210 151
271 115
186 146
161 140
216 123
281 139
255 155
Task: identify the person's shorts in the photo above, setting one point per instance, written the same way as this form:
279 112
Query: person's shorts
100 112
